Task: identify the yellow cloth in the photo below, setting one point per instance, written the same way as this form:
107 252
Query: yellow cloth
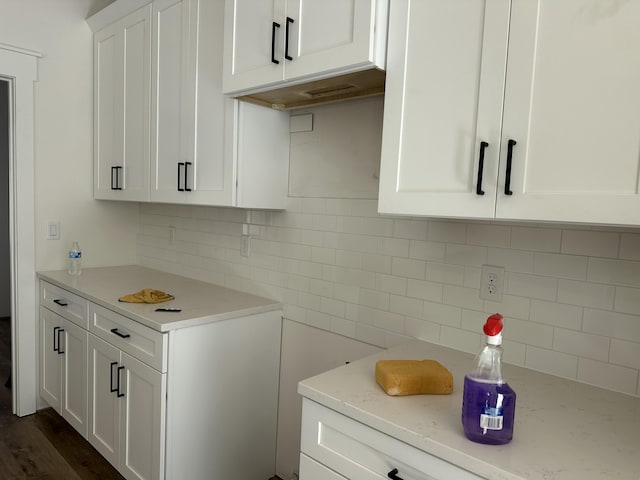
147 295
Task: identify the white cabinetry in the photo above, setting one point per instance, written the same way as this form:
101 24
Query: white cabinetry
192 402
122 89
63 354
355 450
199 147
275 41
541 90
126 411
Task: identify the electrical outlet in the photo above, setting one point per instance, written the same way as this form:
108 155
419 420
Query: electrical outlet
492 283
245 243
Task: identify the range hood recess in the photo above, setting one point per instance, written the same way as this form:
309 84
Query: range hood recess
342 87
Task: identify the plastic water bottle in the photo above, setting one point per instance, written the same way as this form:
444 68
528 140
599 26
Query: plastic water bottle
75 258
488 403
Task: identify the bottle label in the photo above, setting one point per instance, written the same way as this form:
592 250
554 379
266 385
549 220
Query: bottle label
75 254
491 419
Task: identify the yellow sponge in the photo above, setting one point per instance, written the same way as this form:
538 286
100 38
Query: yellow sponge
147 295
412 377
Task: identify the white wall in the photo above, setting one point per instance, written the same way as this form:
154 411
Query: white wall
5 272
63 134
572 293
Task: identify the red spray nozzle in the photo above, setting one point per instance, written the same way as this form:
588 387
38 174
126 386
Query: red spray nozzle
493 326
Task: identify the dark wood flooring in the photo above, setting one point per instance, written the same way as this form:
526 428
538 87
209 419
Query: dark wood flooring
42 446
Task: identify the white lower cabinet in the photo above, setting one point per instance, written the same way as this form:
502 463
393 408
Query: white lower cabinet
358 452
126 411
198 402
63 367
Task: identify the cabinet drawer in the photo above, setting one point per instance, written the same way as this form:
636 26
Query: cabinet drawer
312 470
359 452
64 303
139 341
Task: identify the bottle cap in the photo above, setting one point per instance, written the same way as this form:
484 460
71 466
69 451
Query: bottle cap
493 329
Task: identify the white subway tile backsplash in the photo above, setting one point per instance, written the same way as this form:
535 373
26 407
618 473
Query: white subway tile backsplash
442 314
511 260
432 251
465 255
615 272
630 246
405 267
431 291
625 353
611 324
555 363
591 243
627 300
614 377
556 314
562 266
581 344
488 235
536 239
592 295
571 300
534 286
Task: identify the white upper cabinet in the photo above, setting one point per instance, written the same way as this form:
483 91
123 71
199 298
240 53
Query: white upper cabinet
195 145
270 42
544 92
122 81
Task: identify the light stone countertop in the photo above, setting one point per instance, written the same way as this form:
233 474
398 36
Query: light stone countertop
200 302
564 430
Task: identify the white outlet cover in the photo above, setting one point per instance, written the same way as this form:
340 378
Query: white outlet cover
492 283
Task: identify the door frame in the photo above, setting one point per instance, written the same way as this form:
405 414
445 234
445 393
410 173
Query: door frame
19 67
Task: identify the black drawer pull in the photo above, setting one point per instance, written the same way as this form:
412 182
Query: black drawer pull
180 164
119 395
60 302
393 474
121 335
60 351
286 39
507 180
115 185
111 388
56 339
479 190
186 176
274 25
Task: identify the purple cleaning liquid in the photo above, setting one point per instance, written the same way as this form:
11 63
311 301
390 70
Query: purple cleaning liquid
488 410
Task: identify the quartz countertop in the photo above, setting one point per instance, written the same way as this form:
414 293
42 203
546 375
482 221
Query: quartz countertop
201 302
564 430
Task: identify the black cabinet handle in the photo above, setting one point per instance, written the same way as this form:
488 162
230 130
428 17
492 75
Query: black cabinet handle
119 395
60 302
186 176
115 185
55 338
507 180
60 330
111 389
393 474
479 190
180 164
121 335
274 25
286 39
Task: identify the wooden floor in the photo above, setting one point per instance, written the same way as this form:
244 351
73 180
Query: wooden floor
42 446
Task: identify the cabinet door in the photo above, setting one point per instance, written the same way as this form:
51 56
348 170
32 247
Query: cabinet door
329 35
50 359
445 78
142 422
251 38
193 147
312 470
121 108
74 377
572 104
104 404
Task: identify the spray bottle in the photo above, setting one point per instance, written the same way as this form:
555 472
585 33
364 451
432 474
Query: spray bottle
488 403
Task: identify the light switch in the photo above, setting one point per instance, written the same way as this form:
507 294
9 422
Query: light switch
53 230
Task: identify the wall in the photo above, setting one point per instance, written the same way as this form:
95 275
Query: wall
572 293
5 272
63 134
